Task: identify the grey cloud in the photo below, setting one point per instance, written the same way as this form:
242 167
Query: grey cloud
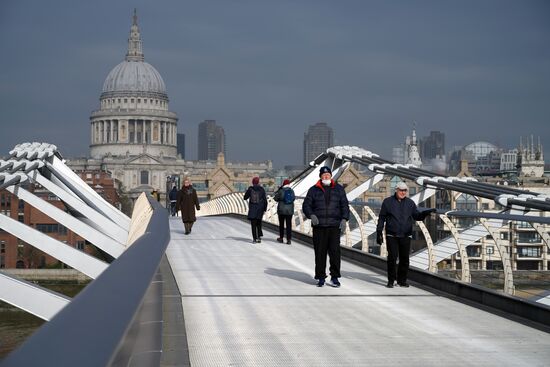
261 68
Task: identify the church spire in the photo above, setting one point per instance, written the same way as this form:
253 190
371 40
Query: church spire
135 52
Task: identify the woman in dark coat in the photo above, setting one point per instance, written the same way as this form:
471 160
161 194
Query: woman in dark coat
257 205
187 201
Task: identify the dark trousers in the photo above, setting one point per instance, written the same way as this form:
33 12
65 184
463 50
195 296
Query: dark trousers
188 226
398 247
256 225
288 220
173 208
326 240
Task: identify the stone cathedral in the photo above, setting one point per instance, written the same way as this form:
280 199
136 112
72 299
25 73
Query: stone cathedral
133 135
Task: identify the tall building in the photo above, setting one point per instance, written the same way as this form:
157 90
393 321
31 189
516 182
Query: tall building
211 140
508 160
133 117
432 146
317 139
181 145
398 154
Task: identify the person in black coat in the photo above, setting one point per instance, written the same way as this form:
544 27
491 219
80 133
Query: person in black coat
327 206
187 202
257 205
397 213
173 196
285 210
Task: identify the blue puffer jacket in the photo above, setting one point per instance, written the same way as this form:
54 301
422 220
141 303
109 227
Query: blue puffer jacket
328 203
398 216
283 208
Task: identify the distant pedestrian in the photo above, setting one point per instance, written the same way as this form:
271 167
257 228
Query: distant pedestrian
257 205
397 213
327 206
285 210
187 201
155 194
173 197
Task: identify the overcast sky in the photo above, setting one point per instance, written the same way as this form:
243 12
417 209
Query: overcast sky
265 70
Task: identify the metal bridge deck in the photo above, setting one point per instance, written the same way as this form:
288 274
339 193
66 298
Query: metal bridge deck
256 305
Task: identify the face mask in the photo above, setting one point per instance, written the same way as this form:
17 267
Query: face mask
326 182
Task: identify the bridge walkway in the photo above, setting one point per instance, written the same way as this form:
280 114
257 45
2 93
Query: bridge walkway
257 305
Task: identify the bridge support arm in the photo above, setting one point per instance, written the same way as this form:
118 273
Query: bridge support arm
86 193
506 263
465 262
36 300
91 234
77 259
103 223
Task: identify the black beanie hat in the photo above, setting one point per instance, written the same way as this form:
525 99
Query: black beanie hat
324 169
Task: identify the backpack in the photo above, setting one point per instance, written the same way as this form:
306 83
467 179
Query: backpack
288 196
254 196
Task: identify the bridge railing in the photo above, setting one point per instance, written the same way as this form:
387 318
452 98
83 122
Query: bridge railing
116 317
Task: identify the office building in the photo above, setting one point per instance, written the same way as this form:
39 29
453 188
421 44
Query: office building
317 139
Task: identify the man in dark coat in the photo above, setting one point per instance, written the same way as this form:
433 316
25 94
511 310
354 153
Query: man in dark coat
397 213
187 201
285 210
326 204
257 205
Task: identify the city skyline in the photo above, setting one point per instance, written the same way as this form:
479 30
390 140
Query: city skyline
466 70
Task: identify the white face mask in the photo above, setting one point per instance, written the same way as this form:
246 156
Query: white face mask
326 182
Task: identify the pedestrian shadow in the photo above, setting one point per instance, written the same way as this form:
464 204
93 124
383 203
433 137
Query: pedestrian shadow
290 274
363 276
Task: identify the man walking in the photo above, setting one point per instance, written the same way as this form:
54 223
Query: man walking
397 213
327 206
285 210
173 196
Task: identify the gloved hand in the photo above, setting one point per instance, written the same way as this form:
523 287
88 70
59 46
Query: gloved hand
199 207
314 220
426 213
343 225
379 237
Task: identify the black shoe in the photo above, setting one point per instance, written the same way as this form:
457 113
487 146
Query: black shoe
321 282
186 232
288 242
259 240
280 240
403 284
389 285
335 282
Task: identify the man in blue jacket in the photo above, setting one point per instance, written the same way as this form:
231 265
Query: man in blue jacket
327 206
398 212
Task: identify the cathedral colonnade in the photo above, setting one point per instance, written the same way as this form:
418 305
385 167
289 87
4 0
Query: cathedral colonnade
133 131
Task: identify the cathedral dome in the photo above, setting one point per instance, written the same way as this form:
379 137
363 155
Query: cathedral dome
134 76
133 118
